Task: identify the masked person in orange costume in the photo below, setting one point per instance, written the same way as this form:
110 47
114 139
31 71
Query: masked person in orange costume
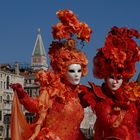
117 104
58 109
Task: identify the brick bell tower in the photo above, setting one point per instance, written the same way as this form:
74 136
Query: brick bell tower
39 57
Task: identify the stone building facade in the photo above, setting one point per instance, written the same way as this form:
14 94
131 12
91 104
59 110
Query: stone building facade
24 74
6 97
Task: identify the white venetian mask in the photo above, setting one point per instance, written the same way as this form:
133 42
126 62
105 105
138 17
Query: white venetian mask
74 73
114 83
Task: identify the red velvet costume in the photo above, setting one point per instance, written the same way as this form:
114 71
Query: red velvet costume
117 115
117 110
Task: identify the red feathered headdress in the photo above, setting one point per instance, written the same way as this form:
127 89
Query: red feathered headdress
63 50
119 54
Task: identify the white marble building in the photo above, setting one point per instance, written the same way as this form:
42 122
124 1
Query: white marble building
6 97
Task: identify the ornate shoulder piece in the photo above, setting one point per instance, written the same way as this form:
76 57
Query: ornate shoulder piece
132 91
97 90
50 82
47 78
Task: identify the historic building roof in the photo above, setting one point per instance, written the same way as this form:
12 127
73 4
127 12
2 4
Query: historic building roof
39 49
39 57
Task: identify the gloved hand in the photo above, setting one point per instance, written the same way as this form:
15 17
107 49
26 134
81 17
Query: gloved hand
18 88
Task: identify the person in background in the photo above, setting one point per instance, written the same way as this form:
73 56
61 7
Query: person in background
58 108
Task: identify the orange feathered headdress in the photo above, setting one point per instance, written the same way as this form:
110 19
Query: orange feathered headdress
63 50
119 54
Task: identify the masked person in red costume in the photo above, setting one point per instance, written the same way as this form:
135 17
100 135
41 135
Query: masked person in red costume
58 109
117 104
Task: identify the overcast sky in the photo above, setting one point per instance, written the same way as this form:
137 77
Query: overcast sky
20 19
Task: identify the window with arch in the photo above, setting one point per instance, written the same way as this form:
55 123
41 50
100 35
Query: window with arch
1 131
8 98
4 87
7 82
0 84
0 99
0 115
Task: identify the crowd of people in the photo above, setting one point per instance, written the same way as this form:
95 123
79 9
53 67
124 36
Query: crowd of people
59 108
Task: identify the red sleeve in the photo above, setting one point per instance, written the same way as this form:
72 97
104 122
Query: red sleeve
87 97
31 104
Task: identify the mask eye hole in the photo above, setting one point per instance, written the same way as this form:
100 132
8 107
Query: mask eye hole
111 76
79 70
119 77
71 71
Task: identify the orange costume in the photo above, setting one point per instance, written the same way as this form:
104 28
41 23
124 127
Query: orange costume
58 108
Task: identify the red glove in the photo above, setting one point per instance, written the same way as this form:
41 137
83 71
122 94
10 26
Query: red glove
18 88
